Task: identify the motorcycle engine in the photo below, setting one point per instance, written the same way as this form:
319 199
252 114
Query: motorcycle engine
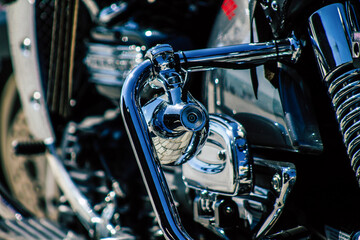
113 52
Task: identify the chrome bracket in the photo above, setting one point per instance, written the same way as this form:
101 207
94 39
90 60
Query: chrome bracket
224 164
178 124
254 213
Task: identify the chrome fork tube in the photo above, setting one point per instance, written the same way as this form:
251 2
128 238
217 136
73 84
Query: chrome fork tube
333 32
152 174
331 38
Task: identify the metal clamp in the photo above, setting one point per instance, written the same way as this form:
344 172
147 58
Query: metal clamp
178 124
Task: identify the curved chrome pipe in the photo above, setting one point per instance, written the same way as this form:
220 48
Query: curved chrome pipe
237 56
152 174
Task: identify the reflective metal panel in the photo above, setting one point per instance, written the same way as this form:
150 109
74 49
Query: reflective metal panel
223 165
331 52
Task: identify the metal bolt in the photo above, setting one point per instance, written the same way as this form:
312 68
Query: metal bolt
37 95
25 46
228 210
222 155
72 129
192 118
276 182
241 143
72 102
274 5
18 217
35 100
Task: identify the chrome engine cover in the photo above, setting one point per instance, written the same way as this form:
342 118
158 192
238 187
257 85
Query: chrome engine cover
224 164
233 189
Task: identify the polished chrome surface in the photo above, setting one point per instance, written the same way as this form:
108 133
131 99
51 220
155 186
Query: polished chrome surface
178 124
224 165
178 129
109 13
92 8
162 69
242 55
331 29
330 32
106 15
259 210
109 65
151 171
287 175
345 93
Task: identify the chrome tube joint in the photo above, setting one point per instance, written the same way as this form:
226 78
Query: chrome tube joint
150 168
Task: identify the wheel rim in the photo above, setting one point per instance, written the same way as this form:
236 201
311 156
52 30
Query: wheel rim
28 177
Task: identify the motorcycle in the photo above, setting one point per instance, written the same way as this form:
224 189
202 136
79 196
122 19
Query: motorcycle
114 127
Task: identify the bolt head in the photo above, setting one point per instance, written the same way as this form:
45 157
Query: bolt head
228 210
274 5
276 182
222 155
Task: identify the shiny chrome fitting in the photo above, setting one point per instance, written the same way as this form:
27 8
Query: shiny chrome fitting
224 165
178 128
162 56
178 124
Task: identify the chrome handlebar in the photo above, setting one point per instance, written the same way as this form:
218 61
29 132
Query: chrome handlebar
152 174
